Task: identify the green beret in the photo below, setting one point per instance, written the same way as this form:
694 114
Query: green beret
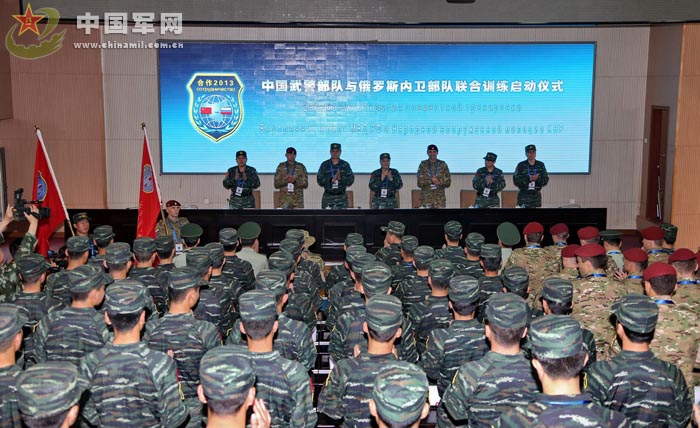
453 230
31 265
422 256
191 231
376 278
409 243
249 230
508 233
103 234
226 373
183 278
441 270
87 277
49 388
273 281
463 289
558 290
506 310
118 252
354 239
395 227
144 245
291 246
257 305
198 258
228 236
78 244
12 319
555 336
491 251
354 251
383 313
400 392
164 244
216 252
127 296
516 279
281 261
637 312
473 242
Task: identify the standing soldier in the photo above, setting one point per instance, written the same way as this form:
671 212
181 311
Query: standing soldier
670 235
234 266
242 180
145 256
559 233
433 178
530 177
653 242
635 262
81 223
291 179
103 236
434 311
172 225
335 175
487 182
687 291
384 182
58 284
535 260
12 318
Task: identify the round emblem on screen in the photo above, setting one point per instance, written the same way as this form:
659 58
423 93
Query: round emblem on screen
147 184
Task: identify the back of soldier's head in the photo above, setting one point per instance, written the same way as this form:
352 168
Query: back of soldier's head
506 316
258 309
557 343
661 277
400 394
227 376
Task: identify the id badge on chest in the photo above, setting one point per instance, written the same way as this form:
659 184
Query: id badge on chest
334 185
531 185
290 187
239 191
178 248
486 192
384 193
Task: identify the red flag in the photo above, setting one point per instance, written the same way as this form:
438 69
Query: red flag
46 190
149 195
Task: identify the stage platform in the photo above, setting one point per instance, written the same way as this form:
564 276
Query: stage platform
330 226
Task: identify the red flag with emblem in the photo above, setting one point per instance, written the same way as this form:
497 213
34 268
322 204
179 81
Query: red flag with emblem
47 192
149 194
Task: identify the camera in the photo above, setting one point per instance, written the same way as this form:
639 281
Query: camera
22 206
59 259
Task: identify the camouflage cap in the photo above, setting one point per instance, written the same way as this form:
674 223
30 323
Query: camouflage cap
395 227
473 242
354 239
335 146
78 244
400 393
508 233
291 246
49 388
670 231
376 278
164 244
463 289
304 283
257 305
191 231
103 234
228 236
12 319
144 244
360 261
441 270
637 312
183 278
241 153
558 290
296 234
354 251
516 279
491 156
281 261
249 230
226 373
199 258
87 277
506 310
31 265
80 217
409 243
118 252
422 256
273 281
216 252
384 313
127 296
555 336
530 148
453 229
491 251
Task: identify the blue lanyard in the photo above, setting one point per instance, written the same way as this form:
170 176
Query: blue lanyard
92 248
408 264
664 302
655 251
635 277
294 167
437 164
596 275
173 230
333 170
241 182
534 171
686 282
561 244
533 246
610 253
568 403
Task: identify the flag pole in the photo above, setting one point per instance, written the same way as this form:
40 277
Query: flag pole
160 198
53 176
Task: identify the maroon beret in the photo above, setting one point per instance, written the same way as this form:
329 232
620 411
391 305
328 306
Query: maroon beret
681 255
570 250
635 255
533 227
658 269
653 233
558 228
172 203
588 232
590 250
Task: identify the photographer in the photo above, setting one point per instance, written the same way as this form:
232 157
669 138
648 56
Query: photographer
9 279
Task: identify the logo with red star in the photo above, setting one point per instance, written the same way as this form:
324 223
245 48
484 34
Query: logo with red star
47 40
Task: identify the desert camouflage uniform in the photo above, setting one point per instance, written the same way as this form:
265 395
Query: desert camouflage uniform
593 297
539 266
657 256
165 228
688 292
293 199
428 196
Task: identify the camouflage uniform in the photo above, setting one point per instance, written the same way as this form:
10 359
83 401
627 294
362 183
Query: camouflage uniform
488 285
335 198
12 318
400 393
657 255
688 292
592 299
168 228
530 198
479 184
252 182
431 194
433 312
38 305
148 276
376 185
538 265
554 252
228 289
240 269
413 290
227 375
295 198
9 281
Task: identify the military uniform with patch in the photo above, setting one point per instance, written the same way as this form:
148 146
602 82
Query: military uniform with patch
148 276
530 191
487 193
334 191
12 318
385 189
416 288
241 185
234 266
433 195
291 196
433 312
